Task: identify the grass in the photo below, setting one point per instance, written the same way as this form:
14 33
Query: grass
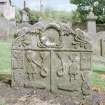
5 57
97 81
5 66
98 68
96 77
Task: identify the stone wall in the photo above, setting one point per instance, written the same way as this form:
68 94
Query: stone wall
100 27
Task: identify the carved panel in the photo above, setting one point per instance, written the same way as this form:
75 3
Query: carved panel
66 71
17 54
37 66
17 59
19 77
85 61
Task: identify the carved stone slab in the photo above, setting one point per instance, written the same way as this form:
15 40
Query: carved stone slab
37 66
53 57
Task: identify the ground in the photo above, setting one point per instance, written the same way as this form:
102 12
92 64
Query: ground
23 96
29 96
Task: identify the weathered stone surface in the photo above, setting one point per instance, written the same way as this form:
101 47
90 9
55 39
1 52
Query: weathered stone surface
19 78
98 43
91 24
53 57
102 47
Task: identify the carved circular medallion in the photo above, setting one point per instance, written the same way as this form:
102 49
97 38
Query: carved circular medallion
51 37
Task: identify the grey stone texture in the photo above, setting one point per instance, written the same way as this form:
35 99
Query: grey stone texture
7 9
54 57
24 15
97 41
98 47
7 28
91 23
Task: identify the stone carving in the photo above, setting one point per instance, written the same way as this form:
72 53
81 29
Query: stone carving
85 64
24 37
30 56
60 70
79 40
51 37
37 67
85 86
73 68
53 57
69 72
17 59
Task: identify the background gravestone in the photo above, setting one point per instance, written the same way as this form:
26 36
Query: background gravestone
102 41
7 28
53 57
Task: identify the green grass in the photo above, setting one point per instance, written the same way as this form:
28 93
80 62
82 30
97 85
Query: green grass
5 57
98 68
97 81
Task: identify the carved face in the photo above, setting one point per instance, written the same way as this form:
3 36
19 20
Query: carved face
50 38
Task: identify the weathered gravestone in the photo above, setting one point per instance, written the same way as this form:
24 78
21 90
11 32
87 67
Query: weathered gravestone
98 43
102 42
53 57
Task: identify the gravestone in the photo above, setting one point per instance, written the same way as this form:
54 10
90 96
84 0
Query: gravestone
98 44
91 22
53 57
102 47
24 15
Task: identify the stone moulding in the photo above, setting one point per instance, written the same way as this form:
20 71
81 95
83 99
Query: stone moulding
55 58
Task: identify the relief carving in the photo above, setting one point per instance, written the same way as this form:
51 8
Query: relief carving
51 37
68 77
73 72
17 59
73 68
30 56
43 71
85 61
23 37
60 70
85 86
79 40
53 57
